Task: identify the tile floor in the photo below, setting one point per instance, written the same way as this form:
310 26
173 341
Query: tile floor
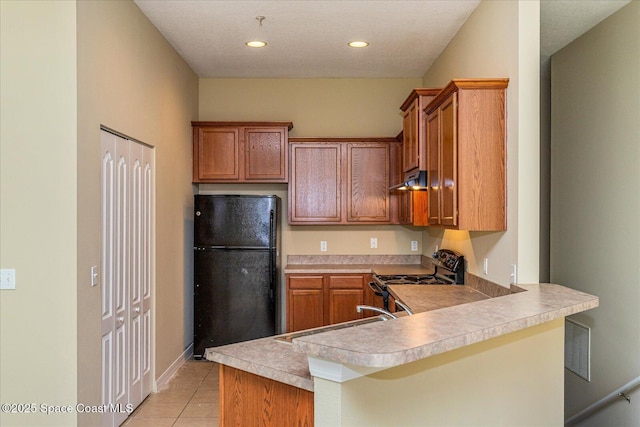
189 399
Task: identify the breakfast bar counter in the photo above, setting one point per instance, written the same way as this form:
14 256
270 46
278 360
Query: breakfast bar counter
505 354
410 338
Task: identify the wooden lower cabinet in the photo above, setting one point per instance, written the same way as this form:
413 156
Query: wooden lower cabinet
315 300
251 400
305 302
342 305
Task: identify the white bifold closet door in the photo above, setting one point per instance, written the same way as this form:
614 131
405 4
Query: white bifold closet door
127 274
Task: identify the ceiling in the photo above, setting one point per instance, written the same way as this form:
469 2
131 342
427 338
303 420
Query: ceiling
308 38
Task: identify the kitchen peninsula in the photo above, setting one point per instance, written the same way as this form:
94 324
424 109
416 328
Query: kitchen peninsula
495 361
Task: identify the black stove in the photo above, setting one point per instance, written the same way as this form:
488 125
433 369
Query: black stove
448 270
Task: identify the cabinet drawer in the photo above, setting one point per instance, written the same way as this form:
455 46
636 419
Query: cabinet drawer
305 282
346 282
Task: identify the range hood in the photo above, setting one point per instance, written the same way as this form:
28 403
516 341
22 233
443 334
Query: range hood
413 181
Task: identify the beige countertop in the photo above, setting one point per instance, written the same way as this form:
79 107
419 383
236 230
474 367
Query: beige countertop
408 338
421 298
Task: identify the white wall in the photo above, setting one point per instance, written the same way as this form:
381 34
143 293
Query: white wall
595 201
38 179
501 39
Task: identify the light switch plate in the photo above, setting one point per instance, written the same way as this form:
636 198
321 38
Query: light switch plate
7 278
94 275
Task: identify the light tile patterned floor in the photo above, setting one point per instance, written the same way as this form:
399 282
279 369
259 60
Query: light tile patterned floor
190 399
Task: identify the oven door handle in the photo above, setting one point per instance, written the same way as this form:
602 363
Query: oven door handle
377 290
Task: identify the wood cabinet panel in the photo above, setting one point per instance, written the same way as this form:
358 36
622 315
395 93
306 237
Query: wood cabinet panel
305 309
410 148
368 182
240 151
251 400
310 305
466 155
342 304
448 163
433 167
413 204
266 156
340 181
217 154
351 281
306 282
315 187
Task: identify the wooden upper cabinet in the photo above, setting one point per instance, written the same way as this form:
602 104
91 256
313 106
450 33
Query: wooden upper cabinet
413 147
240 151
339 181
413 204
368 182
466 155
315 186
266 156
216 152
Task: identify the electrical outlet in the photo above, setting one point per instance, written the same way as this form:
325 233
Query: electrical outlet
374 243
514 274
414 245
323 246
485 266
7 278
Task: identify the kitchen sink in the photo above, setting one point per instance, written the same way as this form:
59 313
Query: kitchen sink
352 324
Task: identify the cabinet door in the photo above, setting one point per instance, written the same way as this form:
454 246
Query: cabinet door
305 302
410 137
342 304
315 184
368 182
449 162
433 167
305 309
216 154
266 154
345 293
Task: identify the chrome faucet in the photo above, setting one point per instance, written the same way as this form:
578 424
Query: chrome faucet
404 307
359 309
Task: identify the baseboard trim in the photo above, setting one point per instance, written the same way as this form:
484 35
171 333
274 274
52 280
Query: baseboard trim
173 368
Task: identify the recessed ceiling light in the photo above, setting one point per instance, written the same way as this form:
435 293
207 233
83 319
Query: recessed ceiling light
256 43
358 44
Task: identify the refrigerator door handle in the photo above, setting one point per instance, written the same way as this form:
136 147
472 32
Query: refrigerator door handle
271 255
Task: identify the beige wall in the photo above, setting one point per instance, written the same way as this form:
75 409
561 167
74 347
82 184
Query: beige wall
501 39
513 380
38 350
317 108
68 68
132 81
595 200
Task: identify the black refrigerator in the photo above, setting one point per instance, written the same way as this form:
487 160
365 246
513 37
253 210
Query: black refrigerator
236 269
